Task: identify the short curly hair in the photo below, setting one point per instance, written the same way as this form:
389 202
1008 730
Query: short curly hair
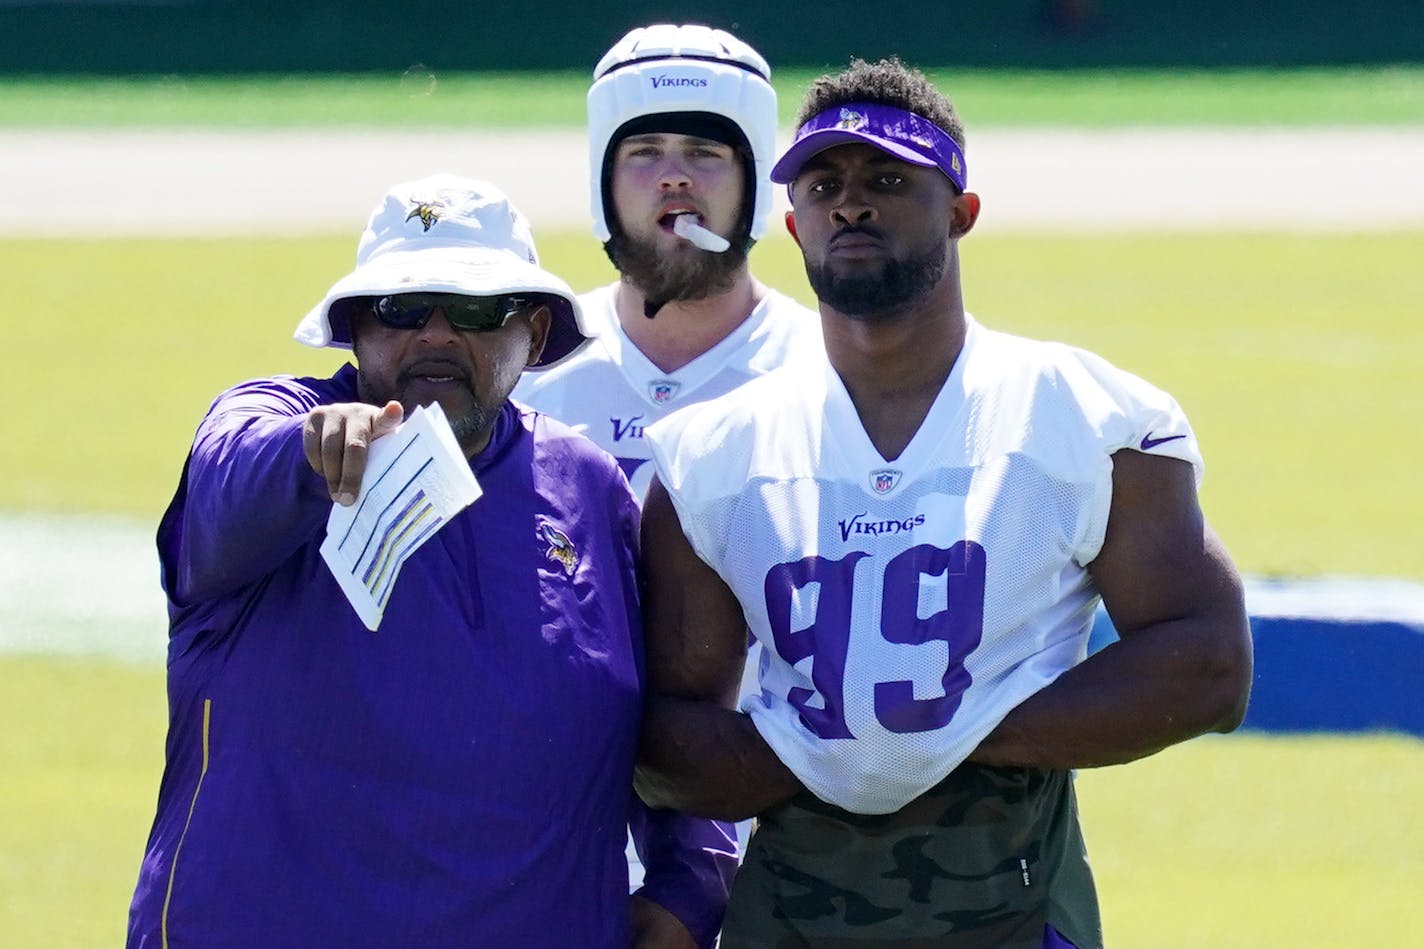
888 82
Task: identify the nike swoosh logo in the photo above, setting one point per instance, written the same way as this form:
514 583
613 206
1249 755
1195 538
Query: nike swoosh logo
1149 443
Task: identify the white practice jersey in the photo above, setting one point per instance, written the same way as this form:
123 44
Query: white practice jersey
905 607
610 392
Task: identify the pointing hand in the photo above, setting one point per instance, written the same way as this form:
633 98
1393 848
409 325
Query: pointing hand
337 438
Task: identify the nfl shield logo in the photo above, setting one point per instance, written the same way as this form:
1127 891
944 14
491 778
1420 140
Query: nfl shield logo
663 390
884 480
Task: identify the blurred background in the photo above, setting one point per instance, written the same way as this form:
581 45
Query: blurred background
1226 198
226 36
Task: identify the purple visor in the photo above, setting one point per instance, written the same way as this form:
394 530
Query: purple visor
905 135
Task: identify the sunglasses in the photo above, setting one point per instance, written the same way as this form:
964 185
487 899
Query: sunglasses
411 311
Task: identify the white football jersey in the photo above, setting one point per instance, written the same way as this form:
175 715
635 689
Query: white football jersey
610 392
904 607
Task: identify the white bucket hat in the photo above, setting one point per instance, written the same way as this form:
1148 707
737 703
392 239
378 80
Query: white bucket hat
447 234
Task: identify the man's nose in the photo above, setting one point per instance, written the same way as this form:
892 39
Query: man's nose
853 212
673 176
852 207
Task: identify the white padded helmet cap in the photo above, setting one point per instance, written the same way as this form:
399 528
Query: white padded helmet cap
667 68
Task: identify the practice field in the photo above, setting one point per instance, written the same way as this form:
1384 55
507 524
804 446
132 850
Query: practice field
1236 842
1294 356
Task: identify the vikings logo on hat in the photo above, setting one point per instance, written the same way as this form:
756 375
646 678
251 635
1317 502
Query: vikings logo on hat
851 119
663 390
428 211
561 549
884 480
954 163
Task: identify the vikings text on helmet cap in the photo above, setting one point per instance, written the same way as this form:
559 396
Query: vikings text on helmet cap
669 69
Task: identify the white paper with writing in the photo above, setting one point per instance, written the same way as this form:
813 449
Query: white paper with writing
417 478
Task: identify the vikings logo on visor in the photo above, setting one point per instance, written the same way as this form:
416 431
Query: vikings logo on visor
850 119
909 137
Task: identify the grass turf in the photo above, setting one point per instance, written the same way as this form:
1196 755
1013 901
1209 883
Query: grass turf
1232 842
1294 356
1085 98
81 751
1255 840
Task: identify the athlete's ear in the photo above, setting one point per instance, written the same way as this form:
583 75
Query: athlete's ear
965 213
791 227
539 323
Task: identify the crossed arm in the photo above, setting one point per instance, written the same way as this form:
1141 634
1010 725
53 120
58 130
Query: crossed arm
698 753
1181 668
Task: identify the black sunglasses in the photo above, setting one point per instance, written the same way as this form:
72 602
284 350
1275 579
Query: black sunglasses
411 311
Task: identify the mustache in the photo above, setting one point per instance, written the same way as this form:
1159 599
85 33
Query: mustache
868 230
433 367
669 202
677 197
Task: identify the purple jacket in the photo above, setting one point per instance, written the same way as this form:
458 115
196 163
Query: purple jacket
461 777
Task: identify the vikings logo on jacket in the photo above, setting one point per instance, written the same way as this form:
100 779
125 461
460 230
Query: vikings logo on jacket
561 549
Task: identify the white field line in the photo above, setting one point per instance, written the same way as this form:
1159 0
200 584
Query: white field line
90 585
103 183
80 584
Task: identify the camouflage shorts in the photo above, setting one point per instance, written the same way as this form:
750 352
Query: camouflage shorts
990 857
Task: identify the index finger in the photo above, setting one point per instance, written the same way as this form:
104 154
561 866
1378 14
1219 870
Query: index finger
322 433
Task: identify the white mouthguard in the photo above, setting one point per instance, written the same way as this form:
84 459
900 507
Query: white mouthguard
686 227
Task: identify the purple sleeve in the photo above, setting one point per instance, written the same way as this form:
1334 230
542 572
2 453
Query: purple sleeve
688 864
247 499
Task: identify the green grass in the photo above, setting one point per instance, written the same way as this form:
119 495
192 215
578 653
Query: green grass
1253 841
1233 843
81 751
1093 98
1296 357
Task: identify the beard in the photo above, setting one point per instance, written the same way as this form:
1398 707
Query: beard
867 297
664 278
471 424
468 422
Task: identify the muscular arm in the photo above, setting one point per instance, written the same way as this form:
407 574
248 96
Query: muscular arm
688 862
1183 664
698 753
